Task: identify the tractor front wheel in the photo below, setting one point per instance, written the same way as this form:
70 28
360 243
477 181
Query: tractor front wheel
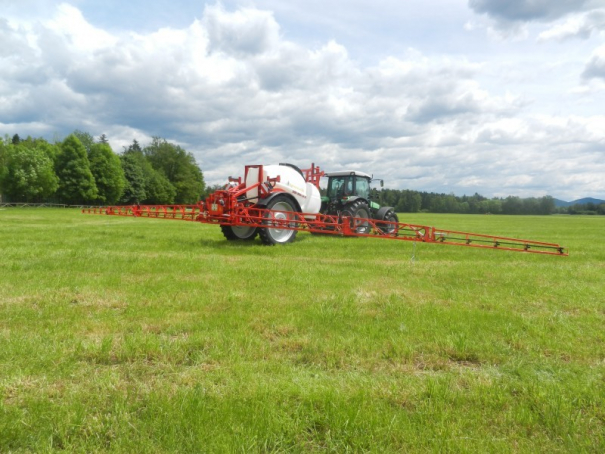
272 236
390 216
358 209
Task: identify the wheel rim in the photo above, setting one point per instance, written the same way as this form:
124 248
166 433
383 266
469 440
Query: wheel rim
281 235
242 232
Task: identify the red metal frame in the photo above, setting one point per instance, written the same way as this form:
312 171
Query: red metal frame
228 206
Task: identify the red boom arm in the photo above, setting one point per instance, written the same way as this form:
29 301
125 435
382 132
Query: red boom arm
228 206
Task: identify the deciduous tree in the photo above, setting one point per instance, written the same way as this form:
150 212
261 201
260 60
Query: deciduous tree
179 167
28 174
85 138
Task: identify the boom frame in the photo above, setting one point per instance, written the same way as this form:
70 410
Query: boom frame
230 207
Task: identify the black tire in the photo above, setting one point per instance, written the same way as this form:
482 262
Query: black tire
239 232
358 209
271 237
390 216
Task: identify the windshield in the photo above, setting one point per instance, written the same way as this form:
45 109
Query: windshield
340 186
348 185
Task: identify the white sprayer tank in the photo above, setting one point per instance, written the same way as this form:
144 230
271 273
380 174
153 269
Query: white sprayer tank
291 182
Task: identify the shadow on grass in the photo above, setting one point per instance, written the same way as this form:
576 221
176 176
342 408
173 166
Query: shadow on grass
224 244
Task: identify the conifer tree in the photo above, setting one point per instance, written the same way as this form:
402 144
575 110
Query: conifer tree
108 173
76 182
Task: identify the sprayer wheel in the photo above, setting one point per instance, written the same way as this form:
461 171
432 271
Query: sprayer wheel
273 236
239 232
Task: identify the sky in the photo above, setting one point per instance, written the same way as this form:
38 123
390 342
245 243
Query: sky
496 97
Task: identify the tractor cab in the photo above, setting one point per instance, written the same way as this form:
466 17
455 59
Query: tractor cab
346 184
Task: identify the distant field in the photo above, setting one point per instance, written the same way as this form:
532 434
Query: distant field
140 335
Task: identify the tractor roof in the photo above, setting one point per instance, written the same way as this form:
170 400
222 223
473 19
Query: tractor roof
344 173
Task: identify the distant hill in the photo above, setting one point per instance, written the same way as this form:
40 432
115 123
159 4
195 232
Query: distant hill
563 203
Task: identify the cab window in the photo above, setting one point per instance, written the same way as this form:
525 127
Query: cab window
340 186
362 187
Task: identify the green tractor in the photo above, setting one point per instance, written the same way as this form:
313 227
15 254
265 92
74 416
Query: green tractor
349 195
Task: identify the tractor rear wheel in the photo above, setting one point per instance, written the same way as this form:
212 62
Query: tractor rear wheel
239 232
358 209
272 236
390 216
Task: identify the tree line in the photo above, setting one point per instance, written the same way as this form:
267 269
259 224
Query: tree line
80 170
407 201
83 171
583 208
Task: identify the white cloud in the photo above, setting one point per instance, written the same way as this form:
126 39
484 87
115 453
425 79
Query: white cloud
576 26
595 68
528 10
241 33
512 19
232 89
69 23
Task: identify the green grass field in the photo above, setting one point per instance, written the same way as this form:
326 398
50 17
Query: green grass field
141 335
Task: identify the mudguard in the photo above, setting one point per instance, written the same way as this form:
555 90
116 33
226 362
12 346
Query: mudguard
354 198
264 202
